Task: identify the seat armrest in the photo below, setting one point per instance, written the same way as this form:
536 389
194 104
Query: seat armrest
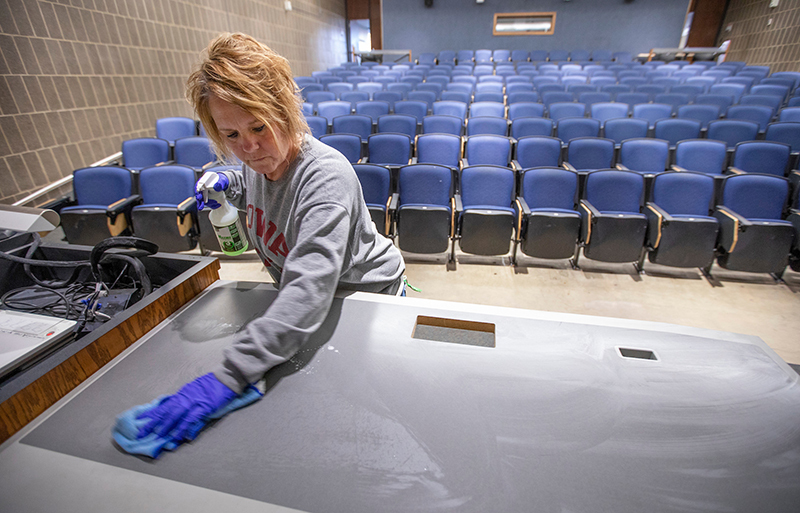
58 203
522 206
210 165
186 212
187 206
458 205
621 167
464 163
515 165
794 218
589 215
568 166
656 218
730 224
735 171
362 160
523 211
674 167
123 206
119 223
412 160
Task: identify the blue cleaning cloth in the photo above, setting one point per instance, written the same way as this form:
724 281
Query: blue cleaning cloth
127 425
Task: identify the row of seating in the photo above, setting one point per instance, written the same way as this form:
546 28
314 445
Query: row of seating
548 215
159 205
502 55
584 153
730 132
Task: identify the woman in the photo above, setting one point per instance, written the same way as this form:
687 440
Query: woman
306 218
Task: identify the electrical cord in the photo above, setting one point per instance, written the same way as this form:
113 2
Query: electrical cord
80 301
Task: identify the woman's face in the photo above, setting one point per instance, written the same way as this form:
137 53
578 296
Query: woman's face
250 140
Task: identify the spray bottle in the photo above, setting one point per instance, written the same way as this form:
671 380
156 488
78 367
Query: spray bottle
225 219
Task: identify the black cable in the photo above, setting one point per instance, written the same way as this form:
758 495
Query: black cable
42 263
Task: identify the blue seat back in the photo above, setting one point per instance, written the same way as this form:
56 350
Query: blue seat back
487 125
174 128
790 114
787 132
488 150
398 123
604 111
389 149
549 187
538 151
683 193
332 109
589 153
732 131
619 129
674 130
591 98
425 184
755 196
525 110
723 101
373 109
644 155
570 128
652 112
734 90
610 190
194 151
552 97
318 125
523 126
494 109
166 185
375 183
144 152
101 185
487 186
442 124
359 124
450 108
702 113
439 148
567 110
348 145
418 109
701 155
767 157
755 113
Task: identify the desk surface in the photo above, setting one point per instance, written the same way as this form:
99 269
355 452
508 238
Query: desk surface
367 418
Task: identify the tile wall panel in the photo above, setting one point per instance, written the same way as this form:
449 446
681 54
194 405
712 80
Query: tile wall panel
761 35
77 77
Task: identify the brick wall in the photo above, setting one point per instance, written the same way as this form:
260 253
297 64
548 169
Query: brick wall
756 41
77 77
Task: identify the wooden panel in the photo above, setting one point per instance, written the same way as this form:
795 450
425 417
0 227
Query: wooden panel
34 399
358 9
375 24
707 20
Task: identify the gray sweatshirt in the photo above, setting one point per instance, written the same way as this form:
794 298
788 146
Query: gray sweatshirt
314 234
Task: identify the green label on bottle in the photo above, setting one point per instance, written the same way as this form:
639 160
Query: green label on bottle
230 238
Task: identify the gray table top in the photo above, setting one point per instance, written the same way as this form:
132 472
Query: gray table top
368 418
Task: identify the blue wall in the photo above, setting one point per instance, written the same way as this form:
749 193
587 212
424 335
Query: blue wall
580 24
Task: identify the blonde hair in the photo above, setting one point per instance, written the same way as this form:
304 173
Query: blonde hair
239 70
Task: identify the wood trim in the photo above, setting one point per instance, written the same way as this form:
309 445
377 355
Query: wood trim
735 229
33 400
660 220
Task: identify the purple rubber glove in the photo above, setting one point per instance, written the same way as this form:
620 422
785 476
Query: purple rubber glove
210 180
181 416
